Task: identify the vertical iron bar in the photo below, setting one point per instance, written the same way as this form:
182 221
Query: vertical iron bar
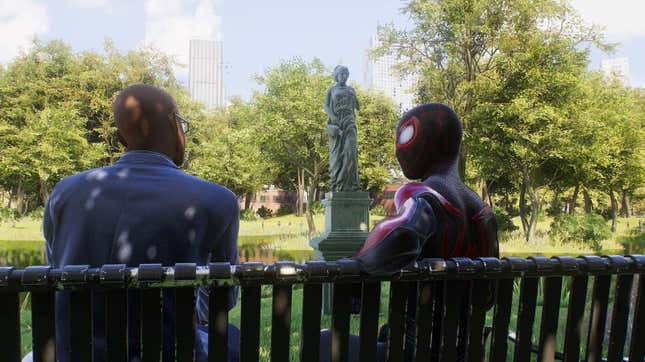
525 318
80 325
619 315
185 324
217 322
311 305
281 323
151 325
43 327
476 317
341 308
501 319
10 325
424 321
396 321
550 317
437 319
598 317
116 325
452 309
250 323
636 346
370 303
575 314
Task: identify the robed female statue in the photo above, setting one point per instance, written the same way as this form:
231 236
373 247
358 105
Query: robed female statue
341 126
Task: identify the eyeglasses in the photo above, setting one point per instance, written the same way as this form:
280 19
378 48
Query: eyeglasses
183 123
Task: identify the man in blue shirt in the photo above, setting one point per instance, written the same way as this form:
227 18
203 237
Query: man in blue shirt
142 209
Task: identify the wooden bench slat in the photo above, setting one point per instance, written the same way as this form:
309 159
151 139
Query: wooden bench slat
396 321
452 309
311 305
501 319
250 323
217 323
281 323
525 318
185 324
341 309
636 346
423 323
575 315
10 325
43 328
619 316
370 306
151 325
600 300
477 300
116 324
80 325
550 316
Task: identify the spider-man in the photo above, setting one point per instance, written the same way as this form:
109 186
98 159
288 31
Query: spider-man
439 217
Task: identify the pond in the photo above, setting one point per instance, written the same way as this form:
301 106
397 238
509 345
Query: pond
25 253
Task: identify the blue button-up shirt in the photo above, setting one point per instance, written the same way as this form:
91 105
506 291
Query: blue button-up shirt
142 209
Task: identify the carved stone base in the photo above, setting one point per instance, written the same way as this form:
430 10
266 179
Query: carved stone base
346 228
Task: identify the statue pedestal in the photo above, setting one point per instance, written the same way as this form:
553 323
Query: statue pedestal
346 228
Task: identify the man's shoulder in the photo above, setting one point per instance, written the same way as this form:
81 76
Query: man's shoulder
204 187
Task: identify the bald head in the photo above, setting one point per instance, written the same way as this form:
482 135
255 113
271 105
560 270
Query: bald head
146 120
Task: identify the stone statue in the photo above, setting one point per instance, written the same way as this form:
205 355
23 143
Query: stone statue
341 127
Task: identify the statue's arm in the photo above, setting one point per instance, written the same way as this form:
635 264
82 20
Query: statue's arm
328 105
357 105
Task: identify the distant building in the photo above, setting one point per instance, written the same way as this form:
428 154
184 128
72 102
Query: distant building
380 74
205 72
386 198
617 67
271 198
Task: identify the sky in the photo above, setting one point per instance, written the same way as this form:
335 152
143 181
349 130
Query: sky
257 34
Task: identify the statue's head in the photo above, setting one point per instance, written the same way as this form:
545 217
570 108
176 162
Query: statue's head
428 138
341 73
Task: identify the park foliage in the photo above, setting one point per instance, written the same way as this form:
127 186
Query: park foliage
541 130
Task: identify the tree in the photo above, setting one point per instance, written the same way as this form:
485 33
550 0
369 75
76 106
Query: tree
456 45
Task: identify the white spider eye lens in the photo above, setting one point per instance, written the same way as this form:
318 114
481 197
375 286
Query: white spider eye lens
406 134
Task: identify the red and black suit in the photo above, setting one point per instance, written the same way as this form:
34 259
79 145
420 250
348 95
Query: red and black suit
438 217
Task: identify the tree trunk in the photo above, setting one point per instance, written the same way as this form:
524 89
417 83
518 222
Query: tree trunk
462 163
484 188
535 206
588 201
574 199
311 191
300 192
248 198
20 199
11 192
614 209
555 203
522 208
44 192
625 205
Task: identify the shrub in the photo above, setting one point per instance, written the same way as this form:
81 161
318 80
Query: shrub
36 213
378 210
285 209
634 241
264 212
248 215
590 228
317 207
504 220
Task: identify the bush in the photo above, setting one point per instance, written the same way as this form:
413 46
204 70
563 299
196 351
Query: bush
634 241
378 210
285 209
248 215
264 212
36 213
591 229
317 207
504 220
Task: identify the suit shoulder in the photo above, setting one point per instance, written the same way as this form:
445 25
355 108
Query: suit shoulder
213 190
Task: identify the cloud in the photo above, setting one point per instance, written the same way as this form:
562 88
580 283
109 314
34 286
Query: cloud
92 4
622 18
20 22
170 24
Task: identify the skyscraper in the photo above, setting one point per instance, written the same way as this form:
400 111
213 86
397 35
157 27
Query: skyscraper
380 74
617 67
205 72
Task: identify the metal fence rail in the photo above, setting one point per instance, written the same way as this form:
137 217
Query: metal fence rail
449 321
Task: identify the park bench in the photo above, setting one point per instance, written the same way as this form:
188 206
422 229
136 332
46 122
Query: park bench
615 283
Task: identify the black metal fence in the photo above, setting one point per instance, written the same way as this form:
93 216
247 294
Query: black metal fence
450 321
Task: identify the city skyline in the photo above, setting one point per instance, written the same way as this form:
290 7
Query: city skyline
205 81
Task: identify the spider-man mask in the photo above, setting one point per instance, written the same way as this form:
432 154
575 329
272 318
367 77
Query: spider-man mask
428 138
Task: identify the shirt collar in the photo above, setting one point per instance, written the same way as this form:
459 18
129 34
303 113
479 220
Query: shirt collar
146 157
